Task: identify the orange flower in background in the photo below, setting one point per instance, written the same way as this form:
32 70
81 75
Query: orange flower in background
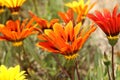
108 22
14 5
44 24
81 8
68 16
65 40
15 31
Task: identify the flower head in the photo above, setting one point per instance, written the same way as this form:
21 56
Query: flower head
44 24
12 73
15 31
65 40
81 8
13 5
108 22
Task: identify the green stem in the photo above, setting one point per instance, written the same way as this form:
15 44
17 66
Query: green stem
108 73
113 75
72 74
35 6
76 66
63 69
15 17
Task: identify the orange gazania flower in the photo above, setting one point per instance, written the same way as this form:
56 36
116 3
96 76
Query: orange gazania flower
14 5
81 8
44 24
68 16
16 32
65 40
108 22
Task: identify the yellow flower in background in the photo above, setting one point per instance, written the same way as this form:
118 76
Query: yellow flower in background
12 73
14 5
81 8
1 6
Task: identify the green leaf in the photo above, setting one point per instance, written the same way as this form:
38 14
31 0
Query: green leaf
30 49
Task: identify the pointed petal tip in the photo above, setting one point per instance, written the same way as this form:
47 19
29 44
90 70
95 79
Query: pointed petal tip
115 10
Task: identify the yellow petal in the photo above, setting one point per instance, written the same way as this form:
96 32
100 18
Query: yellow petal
77 29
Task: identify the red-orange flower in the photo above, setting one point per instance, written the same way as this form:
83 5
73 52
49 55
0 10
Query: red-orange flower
108 22
16 32
44 24
65 40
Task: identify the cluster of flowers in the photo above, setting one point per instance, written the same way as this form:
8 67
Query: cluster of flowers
67 38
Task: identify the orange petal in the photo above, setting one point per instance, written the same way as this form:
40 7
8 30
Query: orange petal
87 34
93 17
53 21
2 38
29 23
115 11
77 44
42 37
23 24
70 14
107 13
42 22
79 18
18 26
58 29
64 17
69 31
77 29
55 38
99 15
48 46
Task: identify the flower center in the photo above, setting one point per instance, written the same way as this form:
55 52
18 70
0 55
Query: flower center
17 43
15 10
69 57
113 37
113 40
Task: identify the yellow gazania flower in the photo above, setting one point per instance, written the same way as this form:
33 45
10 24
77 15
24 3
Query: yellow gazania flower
14 5
12 73
80 7
1 6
